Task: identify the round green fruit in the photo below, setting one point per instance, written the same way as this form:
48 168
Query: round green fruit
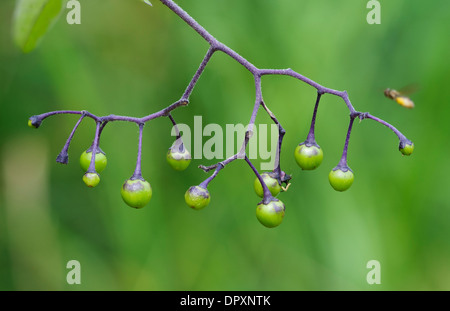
270 215
91 179
136 193
197 197
407 149
100 161
178 159
308 158
340 179
271 183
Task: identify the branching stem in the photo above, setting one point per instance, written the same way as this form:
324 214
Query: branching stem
214 46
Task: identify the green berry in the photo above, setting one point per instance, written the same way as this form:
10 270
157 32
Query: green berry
271 214
100 161
178 158
91 179
308 157
197 197
271 183
407 149
341 179
136 193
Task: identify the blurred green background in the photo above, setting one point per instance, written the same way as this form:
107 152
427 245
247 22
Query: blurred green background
130 59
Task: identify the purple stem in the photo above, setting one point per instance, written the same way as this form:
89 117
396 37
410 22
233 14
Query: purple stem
197 75
311 139
91 168
251 123
397 132
321 89
204 184
175 126
105 119
281 133
343 162
138 172
267 194
215 45
63 156
102 126
190 21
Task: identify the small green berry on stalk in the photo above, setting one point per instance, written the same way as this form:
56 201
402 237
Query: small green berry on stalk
341 178
197 197
271 183
271 214
407 149
91 179
100 160
178 157
308 157
136 193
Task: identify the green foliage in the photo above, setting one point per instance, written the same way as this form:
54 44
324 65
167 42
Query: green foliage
32 19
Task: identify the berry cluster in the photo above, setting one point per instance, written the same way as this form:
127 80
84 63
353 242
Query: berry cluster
137 192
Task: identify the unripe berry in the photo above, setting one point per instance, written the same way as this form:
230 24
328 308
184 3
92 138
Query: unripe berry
271 183
136 193
308 157
197 197
91 179
271 214
341 179
34 122
100 161
178 157
407 149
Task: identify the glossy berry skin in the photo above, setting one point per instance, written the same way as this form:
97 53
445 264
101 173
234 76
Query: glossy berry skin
341 179
271 214
178 159
100 161
91 179
197 197
308 157
271 183
407 149
136 193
